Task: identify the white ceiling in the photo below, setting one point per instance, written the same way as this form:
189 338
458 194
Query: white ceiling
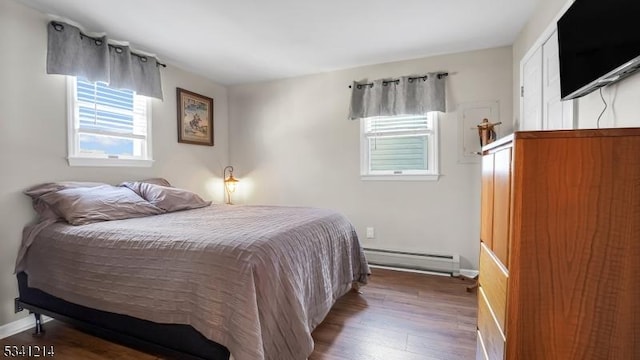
244 41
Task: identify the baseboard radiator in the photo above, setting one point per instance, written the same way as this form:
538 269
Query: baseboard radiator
446 264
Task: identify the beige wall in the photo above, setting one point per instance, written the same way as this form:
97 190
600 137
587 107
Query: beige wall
622 99
291 144
623 106
33 136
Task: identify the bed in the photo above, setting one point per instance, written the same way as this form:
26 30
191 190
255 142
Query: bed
253 281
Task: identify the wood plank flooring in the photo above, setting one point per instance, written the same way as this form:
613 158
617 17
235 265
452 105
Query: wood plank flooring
399 316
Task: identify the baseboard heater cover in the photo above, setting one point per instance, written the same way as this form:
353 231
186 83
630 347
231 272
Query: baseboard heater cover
448 264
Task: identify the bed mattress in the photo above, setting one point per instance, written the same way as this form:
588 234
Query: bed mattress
256 279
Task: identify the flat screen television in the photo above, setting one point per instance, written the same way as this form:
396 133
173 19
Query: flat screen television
599 44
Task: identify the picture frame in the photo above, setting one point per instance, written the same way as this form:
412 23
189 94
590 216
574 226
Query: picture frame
470 114
195 118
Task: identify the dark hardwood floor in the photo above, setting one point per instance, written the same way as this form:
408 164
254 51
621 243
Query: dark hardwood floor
399 316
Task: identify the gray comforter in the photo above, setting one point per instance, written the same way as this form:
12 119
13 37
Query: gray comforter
255 279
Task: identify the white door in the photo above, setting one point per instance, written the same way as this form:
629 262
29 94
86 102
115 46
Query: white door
556 114
532 92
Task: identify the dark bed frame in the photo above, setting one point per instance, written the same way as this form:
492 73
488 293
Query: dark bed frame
174 341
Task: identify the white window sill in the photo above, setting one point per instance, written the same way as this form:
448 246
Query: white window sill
104 162
401 177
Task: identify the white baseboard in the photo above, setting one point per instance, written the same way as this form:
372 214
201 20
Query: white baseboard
408 270
20 325
470 273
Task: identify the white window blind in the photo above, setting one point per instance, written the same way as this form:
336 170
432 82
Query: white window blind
399 145
108 124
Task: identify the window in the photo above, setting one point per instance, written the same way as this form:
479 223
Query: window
399 147
107 127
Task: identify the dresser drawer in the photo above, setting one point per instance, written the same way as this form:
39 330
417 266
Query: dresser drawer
493 279
490 333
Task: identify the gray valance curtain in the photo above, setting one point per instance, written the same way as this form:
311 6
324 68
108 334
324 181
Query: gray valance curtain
408 95
70 52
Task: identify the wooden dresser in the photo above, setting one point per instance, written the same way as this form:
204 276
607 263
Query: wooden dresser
560 246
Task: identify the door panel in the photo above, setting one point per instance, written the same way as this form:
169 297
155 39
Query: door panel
557 114
532 99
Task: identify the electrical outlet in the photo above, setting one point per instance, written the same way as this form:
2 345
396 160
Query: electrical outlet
17 306
370 233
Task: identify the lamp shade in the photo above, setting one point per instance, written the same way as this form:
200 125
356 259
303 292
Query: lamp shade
231 183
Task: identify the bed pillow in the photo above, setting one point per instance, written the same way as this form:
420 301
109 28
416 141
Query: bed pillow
38 190
157 181
167 198
85 205
43 210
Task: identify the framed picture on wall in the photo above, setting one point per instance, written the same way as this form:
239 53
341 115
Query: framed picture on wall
470 115
195 118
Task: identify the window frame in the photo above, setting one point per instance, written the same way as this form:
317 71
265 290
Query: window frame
74 158
432 174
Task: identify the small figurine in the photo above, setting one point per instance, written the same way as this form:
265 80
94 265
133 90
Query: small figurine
486 132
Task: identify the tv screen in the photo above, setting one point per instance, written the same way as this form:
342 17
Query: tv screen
595 38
